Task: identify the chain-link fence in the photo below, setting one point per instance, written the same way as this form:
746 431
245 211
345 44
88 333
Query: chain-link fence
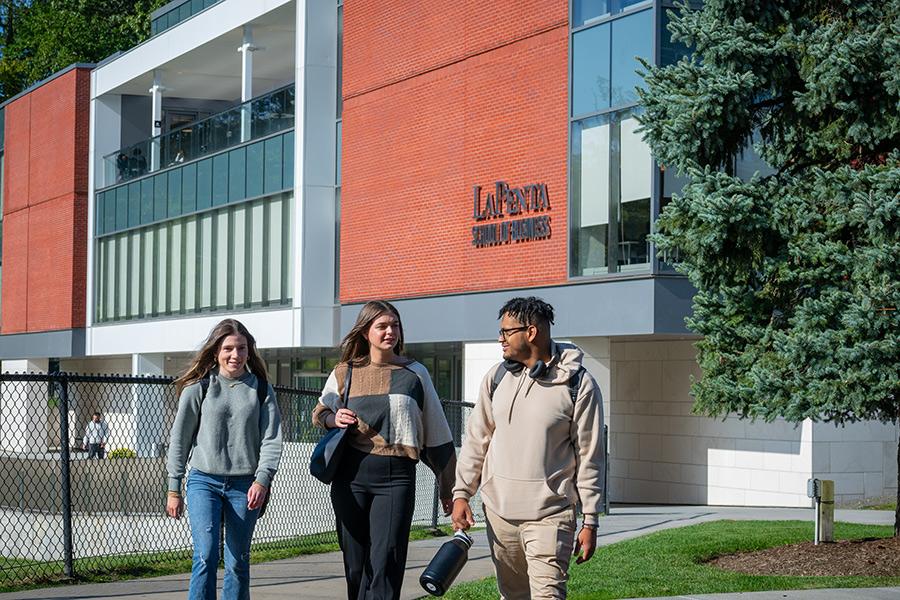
69 505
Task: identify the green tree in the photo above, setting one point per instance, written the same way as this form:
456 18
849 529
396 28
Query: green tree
40 37
797 272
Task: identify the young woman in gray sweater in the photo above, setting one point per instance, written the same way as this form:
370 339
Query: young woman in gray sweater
233 442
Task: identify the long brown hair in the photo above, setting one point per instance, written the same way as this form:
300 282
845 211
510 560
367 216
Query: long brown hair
205 359
355 345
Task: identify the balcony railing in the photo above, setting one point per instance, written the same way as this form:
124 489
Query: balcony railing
256 118
176 13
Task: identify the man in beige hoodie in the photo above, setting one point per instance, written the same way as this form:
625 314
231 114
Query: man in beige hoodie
534 444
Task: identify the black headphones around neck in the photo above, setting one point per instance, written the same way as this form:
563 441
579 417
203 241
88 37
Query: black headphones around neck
537 370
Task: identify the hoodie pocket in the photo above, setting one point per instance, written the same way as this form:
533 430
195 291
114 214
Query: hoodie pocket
521 499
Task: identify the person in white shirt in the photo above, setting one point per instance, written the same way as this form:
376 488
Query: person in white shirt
95 435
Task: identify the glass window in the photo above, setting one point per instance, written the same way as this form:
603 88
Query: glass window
670 51
237 171
288 161
204 184
220 179
273 176
121 207
590 195
147 200
584 12
160 191
611 176
340 61
257 266
190 264
196 6
175 186
255 170
188 188
239 269
220 259
134 204
631 36
590 70
604 64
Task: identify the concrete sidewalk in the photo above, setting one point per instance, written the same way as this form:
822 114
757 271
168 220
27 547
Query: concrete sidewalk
320 576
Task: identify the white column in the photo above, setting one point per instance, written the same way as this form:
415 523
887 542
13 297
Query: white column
24 409
246 49
156 124
148 405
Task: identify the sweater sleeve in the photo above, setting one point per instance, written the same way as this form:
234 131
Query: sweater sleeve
479 430
270 440
182 434
329 401
590 456
438 452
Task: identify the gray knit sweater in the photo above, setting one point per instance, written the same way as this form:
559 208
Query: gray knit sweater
234 438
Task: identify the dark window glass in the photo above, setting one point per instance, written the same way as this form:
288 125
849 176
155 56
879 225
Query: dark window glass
584 12
237 171
160 191
255 170
631 36
204 184
670 52
288 178
99 208
189 188
273 175
590 177
174 193
147 200
121 207
590 70
184 11
134 204
154 26
220 179
196 6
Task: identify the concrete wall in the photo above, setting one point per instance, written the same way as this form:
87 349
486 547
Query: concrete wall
861 458
661 452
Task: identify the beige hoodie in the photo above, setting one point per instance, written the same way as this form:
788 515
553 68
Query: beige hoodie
531 449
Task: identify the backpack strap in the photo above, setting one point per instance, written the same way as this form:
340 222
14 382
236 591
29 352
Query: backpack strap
574 383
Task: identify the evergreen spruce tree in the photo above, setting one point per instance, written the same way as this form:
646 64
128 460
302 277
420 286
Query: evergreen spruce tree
797 272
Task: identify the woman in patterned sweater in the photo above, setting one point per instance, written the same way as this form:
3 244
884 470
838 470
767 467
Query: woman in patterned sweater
396 419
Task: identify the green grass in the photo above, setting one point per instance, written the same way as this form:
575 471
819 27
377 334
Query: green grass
668 563
882 506
117 568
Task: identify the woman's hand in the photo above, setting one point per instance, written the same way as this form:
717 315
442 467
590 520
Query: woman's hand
175 507
344 417
255 495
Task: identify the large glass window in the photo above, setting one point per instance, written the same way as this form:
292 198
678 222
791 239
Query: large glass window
611 175
237 256
585 12
604 64
611 169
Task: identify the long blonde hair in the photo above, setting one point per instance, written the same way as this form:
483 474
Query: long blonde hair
355 345
205 359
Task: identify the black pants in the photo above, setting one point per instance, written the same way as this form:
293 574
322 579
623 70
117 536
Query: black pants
373 499
96 450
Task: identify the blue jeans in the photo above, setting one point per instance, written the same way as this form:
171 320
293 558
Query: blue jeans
209 497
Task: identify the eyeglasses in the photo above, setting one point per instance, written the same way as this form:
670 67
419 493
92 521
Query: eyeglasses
505 333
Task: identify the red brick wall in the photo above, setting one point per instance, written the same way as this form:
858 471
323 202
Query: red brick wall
45 206
439 98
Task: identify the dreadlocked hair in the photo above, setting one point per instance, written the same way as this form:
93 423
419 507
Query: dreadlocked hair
528 311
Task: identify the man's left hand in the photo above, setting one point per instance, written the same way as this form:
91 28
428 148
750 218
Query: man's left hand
255 496
585 544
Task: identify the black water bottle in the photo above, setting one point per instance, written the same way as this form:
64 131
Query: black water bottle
446 564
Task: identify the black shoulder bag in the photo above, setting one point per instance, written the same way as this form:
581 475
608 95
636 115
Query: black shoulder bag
327 454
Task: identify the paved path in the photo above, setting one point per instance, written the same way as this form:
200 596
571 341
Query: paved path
320 576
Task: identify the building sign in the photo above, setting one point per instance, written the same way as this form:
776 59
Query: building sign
510 201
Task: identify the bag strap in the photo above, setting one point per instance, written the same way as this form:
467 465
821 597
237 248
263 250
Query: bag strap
346 395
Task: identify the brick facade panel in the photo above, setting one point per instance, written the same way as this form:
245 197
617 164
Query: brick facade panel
45 206
414 149
389 40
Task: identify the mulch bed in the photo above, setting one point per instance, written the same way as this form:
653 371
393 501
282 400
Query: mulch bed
879 557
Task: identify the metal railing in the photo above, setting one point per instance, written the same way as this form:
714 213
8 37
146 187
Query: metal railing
256 118
63 514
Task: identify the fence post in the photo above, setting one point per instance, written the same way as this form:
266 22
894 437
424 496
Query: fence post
434 507
66 476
